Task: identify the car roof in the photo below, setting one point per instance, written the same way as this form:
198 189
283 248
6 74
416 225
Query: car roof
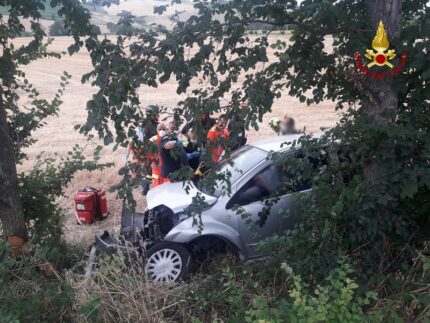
274 143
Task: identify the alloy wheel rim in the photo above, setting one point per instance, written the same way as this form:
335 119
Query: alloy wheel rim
164 265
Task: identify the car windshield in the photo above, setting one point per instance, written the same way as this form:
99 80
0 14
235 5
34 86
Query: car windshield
240 162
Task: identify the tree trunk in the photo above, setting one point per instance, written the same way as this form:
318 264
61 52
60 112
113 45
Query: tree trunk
12 221
381 106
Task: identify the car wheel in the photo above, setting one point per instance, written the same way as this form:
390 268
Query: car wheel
168 262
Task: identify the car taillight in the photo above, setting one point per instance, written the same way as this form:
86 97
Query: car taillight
80 206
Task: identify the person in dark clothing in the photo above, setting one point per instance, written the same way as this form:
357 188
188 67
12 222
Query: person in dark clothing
150 126
173 155
192 149
237 131
205 121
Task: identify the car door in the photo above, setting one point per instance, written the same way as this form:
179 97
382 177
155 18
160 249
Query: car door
256 212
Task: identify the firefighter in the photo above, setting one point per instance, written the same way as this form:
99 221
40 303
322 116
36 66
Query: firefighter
157 178
216 136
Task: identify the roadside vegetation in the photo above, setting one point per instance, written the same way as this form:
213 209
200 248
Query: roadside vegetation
58 29
361 250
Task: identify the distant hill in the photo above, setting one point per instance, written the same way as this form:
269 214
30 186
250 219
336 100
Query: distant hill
52 13
48 13
145 8
142 9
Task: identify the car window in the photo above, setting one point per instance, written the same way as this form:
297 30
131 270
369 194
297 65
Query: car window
260 186
239 163
265 184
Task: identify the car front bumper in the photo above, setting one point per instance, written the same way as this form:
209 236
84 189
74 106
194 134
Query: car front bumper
107 244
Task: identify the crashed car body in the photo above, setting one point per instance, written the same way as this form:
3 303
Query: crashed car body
172 240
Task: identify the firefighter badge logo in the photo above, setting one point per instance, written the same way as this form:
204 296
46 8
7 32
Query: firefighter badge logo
380 56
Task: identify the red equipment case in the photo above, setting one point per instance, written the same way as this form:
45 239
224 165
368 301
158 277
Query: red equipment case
90 205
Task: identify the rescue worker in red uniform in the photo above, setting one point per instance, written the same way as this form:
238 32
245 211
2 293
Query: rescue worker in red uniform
216 136
141 148
157 178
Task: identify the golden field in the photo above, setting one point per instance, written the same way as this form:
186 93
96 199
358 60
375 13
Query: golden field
58 135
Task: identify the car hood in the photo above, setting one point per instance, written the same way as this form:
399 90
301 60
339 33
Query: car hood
174 196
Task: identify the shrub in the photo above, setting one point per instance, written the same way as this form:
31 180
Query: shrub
250 295
96 30
31 288
336 301
26 34
121 28
58 29
43 185
113 28
124 29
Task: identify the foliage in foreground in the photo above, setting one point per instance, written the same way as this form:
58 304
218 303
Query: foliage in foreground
255 292
31 288
238 294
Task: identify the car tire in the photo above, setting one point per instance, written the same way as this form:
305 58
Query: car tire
168 262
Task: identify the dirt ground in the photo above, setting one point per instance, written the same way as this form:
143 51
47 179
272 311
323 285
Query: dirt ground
58 135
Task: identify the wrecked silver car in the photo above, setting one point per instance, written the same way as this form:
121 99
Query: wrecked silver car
169 241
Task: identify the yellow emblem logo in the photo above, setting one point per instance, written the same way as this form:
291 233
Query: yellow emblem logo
380 55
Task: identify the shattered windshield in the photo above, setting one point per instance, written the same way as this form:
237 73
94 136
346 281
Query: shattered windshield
238 164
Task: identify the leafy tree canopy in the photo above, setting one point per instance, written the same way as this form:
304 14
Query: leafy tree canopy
385 122
219 32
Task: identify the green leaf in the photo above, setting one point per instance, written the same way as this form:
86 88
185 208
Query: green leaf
410 188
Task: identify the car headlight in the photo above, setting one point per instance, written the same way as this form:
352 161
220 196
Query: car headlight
80 206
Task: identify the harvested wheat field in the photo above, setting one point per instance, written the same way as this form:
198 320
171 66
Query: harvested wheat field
58 135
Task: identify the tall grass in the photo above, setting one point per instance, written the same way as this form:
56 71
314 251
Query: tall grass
117 293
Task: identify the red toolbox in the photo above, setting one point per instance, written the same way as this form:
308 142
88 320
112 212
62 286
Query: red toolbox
90 205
